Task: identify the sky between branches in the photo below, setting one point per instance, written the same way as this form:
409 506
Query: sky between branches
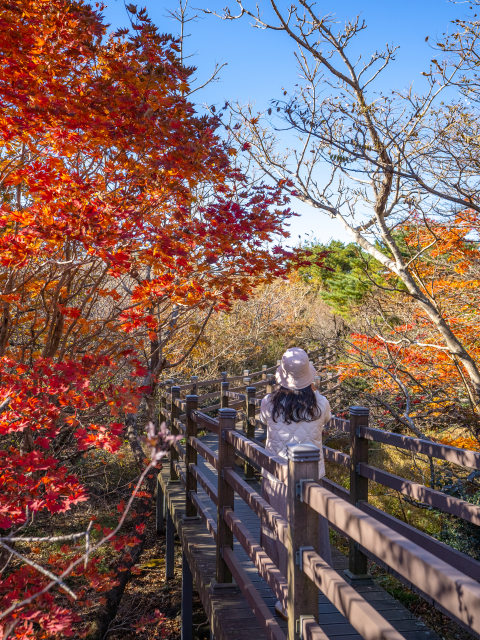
261 63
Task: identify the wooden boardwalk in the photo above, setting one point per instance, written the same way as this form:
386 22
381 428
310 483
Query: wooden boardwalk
230 616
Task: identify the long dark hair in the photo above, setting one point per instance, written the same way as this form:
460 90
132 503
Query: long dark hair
293 405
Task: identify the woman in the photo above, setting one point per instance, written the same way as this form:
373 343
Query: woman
295 413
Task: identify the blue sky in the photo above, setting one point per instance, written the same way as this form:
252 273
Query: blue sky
260 63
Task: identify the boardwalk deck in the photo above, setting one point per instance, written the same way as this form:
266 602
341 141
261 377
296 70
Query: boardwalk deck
230 616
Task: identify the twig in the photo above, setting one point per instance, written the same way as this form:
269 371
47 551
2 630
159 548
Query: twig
39 568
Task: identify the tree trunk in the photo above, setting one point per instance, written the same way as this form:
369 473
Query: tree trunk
123 572
143 507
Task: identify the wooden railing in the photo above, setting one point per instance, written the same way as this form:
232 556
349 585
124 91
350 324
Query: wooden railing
448 578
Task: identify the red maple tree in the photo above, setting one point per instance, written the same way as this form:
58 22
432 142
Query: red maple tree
122 213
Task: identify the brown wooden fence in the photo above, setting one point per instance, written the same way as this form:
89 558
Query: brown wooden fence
446 577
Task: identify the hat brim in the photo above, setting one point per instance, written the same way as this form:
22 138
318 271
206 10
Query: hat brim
286 380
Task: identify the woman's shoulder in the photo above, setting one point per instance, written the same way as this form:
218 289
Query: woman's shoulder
321 399
266 399
266 407
324 405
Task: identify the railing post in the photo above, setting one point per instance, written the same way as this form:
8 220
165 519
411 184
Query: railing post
246 382
190 455
224 398
357 560
170 547
160 498
270 382
226 494
250 430
303 462
194 381
175 411
166 389
264 371
187 600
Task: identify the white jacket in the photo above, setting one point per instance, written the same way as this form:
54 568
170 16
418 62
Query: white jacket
279 434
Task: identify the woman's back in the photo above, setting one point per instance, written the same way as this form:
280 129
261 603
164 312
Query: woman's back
281 432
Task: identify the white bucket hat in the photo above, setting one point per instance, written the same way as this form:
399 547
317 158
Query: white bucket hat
295 371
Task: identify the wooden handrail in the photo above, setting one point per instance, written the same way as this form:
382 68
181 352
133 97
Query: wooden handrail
204 514
332 455
462 457
456 592
235 396
464 563
208 487
437 499
180 450
180 426
369 623
181 473
204 451
265 567
207 383
338 423
205 422
467 565
258 505
273 464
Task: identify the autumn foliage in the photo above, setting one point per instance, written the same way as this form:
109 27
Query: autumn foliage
396 349
121 212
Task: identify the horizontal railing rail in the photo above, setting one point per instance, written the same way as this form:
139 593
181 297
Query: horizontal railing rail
276 523
205 422
268 623
421 493
204 451
273 464
266 568
208 487
462 457
362 616
204 514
